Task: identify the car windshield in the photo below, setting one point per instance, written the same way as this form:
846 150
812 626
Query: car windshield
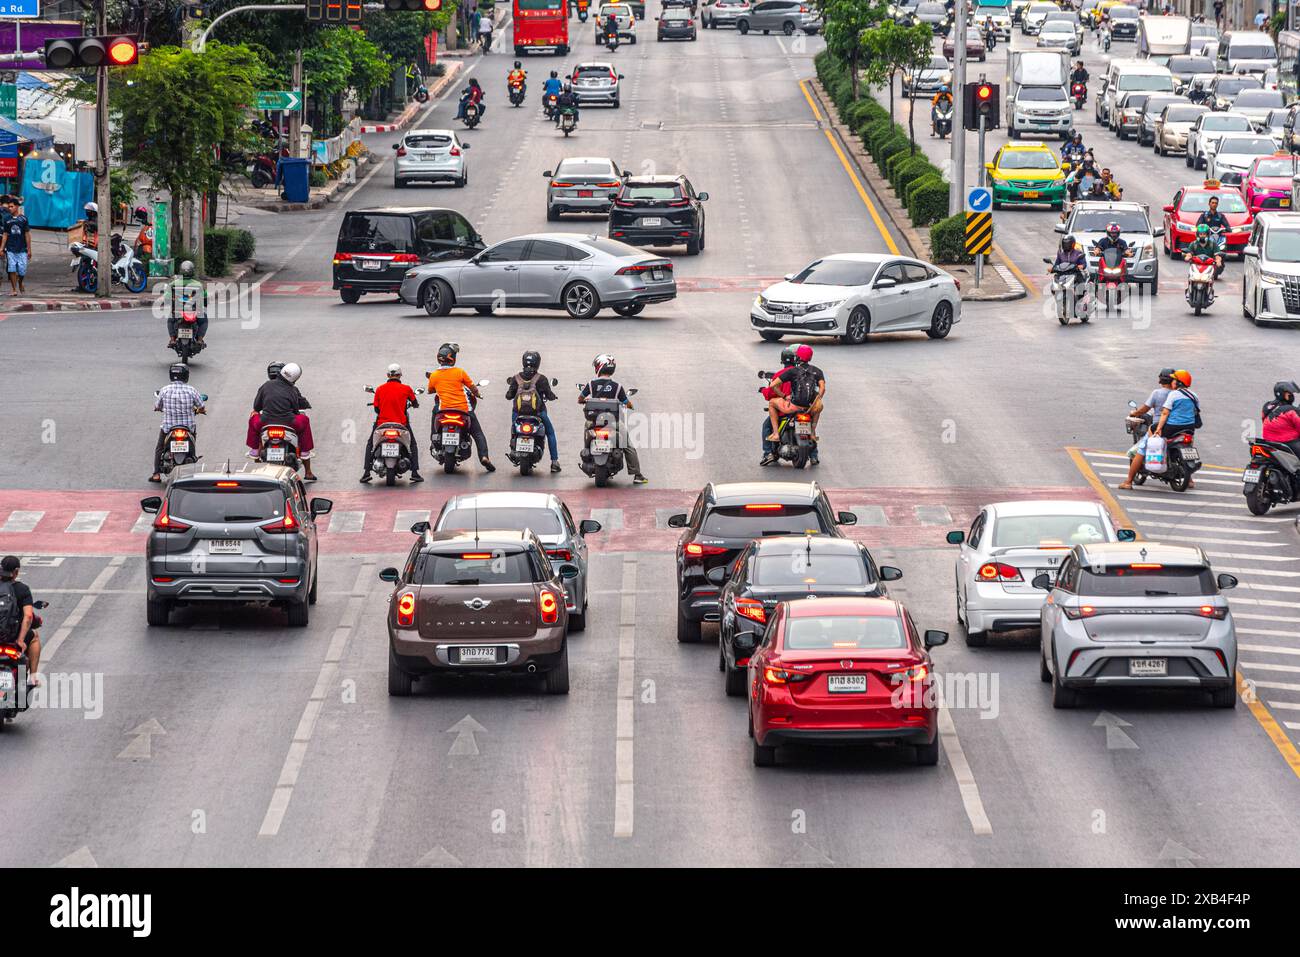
1282 246
1127 581
1043 8
1183 114
804 568
486 567
1225 123
1235 85
1248 145
1146 81
1047 531
844 633
737 521
1041 94
1096 221
676 14
592 69
655 193
835 272
1229 202
375 233
1027 159
938 63
213 504
1271 98
1274 167
541 520
584 168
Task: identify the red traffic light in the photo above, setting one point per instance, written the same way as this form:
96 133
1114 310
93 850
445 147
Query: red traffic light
123 51
432 6
984 91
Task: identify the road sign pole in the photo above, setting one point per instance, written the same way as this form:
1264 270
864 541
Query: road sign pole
957 177
979 257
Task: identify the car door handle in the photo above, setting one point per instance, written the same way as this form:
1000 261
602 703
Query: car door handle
560 268
511 268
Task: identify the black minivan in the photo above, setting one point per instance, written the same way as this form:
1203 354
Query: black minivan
377 246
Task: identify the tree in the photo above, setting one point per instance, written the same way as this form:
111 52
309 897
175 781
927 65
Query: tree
401 35
343 59
893 49
845 23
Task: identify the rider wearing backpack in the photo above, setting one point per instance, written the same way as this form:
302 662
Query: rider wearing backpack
807 389
529 393
18 621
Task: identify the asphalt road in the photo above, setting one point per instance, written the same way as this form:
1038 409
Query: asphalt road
228 739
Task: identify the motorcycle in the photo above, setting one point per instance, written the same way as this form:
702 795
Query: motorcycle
795 442
1105 40
127 270
943 120
278 445
527 439
611 42
1111 283
1078 93
14 689
180 447
516 93
1272 477
1200 282
602 454
550 103
582 11
568 120
1067 284
422 94
1181 457
450 438
391 444
187 344
472 115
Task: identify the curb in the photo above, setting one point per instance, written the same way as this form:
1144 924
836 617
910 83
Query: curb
241 271
415 109
917 241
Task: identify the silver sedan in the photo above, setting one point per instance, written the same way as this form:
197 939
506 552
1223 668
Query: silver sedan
579 274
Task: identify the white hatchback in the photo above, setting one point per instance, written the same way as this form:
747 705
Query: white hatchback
432 156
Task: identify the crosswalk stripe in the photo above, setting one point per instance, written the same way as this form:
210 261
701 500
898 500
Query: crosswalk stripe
1200 479
1201 528
1269 649
1270 572
1238 600
1255 586
1254 558
1201 540
872 515
1192 498
22 521
86 522
347 522
1105 455
143 524
663 514
1284 705
1276 685
1268 666
1291 725
1201 516
932 514
611 519
409 516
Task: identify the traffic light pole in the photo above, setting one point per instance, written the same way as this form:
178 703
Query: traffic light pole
103 193
983 180
957 176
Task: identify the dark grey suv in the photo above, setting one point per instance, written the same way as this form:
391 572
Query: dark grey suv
241 535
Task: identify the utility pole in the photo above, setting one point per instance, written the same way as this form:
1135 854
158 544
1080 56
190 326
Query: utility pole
957 187
103 195
295 116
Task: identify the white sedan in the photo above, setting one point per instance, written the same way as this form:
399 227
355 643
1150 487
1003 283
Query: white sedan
1233 155
852 295
1006 546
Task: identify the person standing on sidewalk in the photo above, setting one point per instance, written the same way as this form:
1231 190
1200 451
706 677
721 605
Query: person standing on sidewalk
15 246
485 30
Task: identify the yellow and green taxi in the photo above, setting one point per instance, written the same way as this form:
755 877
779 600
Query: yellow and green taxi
1026 173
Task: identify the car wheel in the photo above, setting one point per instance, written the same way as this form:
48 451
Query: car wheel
996 204
770 336
764 757
581 301
631 309
460 183
315 580
1187 159
742 27
616 104
688 632
787 28
552 214
298 614
940 321
733 682
483 310
1155 283
1063 697
927 755
399 682
437 298
578 620
158 611
975 639
1044 675
350 296
397 183
856 329
557 679
1224 697
692 247
1245 310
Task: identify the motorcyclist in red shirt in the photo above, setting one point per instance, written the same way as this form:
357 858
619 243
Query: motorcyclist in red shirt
392 399
1281 418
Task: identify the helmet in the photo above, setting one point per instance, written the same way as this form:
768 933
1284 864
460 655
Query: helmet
141 214
555 75
394 371
179 372
1077 137
532 360
187 268
788 356
604 364
944 89
273 370
291 372
803 353
1184 377
518 65
1281 389
1166 375
1202 231
1113 230
447 354
1067 242
568 87
92 209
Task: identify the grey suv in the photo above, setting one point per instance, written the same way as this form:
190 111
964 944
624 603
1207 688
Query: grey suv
582 184
238 535
784 15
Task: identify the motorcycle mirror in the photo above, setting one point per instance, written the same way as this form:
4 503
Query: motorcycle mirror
482 382
203 396
1046 260
466 146
397 145
419 392
633 391
554 381
370 388
40 604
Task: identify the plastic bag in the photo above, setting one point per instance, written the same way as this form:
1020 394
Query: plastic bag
1156 461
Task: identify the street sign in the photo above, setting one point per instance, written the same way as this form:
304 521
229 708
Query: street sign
979 200
16 9
277 99
979 233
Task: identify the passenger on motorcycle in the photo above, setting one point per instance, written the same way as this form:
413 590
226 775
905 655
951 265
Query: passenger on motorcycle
26 633
392 400
278 402
450 384
1156 400
567 103
1182 410
473 93
182 293
1207 244
1281 418
944 96
800 376
1106 187
604 387
178 401
773 389
529 393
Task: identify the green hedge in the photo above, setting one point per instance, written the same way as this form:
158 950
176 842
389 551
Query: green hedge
890 147
927 201
242 245
216 252
908 172
948 240
875 133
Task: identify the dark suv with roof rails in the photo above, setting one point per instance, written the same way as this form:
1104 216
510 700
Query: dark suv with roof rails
376 247
725 519
659 211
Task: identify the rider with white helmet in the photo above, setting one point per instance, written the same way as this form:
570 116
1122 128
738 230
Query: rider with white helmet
279 402
392 399
604 387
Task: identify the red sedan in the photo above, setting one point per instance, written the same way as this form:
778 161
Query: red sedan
1268 183
1188 204
974 47
843 671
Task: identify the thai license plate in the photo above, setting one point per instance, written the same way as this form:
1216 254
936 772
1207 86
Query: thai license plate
1191 455
6 680
390 449
601 445
651 221
846 684
803 428
478 656
1250 476
374 265
584 194
782 317
225 546
1030 194
657 275
180 447
523 445
184 333
275 454
451 438
1148 667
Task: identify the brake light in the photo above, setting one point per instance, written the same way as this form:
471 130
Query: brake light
562 185
285 525
613 76
549 608
401 151
803 417
275 433
779 676
1213 611
476 556
450 419
454 151
181 434
287 581
999 572
678 202
695 550
1187 438
642 267
406 258
406 609
1260 451
165 523
1083 611
614 185
752 609
342 258
560 554
763 508
10 651
227 485
625 203
391 433
526 427
1146 565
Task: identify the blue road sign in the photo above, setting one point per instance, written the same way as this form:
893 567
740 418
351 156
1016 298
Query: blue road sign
979 199
30 9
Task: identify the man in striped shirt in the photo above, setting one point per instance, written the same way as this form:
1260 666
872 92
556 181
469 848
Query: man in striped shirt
178 401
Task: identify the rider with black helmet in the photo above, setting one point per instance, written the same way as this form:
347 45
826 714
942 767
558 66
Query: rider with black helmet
178 401
450 385
773 388
529 393
1281 418
1071 252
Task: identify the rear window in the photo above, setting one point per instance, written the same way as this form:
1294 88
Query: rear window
1183 114
657 193
595 71
541 520
611 247
1126 581
579 168
376 232
741 522
802 568
1258 98
844 633
243 503
677 14
478 568
1191 64
1046 531
427 141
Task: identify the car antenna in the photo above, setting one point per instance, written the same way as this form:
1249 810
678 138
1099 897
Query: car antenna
808 549
476 521
227 466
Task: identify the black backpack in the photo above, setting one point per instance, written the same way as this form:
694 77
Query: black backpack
11 615
803 386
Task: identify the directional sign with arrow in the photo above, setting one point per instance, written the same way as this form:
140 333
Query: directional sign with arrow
979 200
279 100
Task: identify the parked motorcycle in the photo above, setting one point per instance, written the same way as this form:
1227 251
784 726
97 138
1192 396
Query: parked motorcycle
527 439
1067 285
14 689
602 452
422 94
568 120
1111 283
473 113
794 432
390 448
1272 477
943 120
1182 459
450 439
127 270
1078 93
516 91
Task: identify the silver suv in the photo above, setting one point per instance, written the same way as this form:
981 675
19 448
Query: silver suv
1271 291
237 535
582 184
784 15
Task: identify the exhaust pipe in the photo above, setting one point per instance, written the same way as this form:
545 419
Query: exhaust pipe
532 669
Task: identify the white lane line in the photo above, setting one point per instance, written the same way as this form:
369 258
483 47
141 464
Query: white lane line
1202 540
1192 498
1123 456
51 645
1253 558
1123 473
408 517
970 792
1267 649
1200 515
1200 528
1276 685
87 523
22 521
1237 600
325 681
626 701
1270 572
1290 618
1256 587
1268 666
1285 705
1292 725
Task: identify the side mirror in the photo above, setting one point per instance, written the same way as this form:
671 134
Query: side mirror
1227 581
1169 209
989 167
885 283
419 528
1158 231
466 146
846 518
396 145
704 197
569 572
548 173
934 639
788 276
621 77
588 526
1250 251
1042 580
389 575
626 173
151 504
956 538
554 381
717 575
321 506
677 521
1059 227
1126 535
888 573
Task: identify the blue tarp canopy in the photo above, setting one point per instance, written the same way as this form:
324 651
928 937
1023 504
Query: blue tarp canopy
30 81
38 139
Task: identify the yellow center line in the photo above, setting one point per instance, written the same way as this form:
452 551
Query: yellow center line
1266 720
857 184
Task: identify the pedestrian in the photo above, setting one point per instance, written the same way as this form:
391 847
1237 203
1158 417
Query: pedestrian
485 30
1218 13
473 21
15 246
1261 18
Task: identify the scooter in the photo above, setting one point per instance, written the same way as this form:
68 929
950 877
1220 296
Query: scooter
1079 93
527 439
472 115
187 344
450 438
1181 457
422 94
391 444
794 433
14 689
602 452
568 120
180 447
1111 284
1200 282
943 120
278 445
1066 288
516 91
582 11
127 270
611 42
1272 477
550 103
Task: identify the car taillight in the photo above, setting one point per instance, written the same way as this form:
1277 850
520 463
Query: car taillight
641 267
613 77
562 185
454 151
342 258
406 258
560 554
764 507
1213 611
625 203
695 550
401 151
285 525
391 434
678 202
549 608
614 185
914 673
1083 611
406 609
779 676
998 572
165 523
752 609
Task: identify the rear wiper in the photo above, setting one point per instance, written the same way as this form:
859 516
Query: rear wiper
462 581
1157 593
245 518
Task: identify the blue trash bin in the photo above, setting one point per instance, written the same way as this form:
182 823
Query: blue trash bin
293 176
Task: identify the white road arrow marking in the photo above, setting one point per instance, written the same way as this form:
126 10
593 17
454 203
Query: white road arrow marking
1181 856
439 857
140 747
81 857
465 729
1116 739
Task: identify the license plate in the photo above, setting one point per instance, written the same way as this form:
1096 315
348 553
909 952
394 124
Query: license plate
275 454
451 438
1191 455
652 221
6 680
601 445
180 447
1030 194
390 450
1148 667
803 428
373 265
523 445
225 546
184 333
584 194
1250 476
782 317
846 684
657 275
470 656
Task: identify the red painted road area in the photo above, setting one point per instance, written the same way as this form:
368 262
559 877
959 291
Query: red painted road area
367 521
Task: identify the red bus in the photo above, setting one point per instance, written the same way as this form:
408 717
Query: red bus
541 25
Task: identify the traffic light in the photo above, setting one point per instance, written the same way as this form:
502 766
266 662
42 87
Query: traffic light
80 52
334 11
981 99
426 6
195 11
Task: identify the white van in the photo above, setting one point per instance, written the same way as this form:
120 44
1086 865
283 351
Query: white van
1241 46
1127 77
